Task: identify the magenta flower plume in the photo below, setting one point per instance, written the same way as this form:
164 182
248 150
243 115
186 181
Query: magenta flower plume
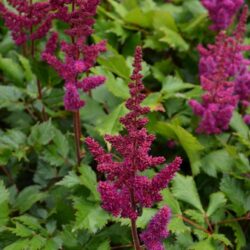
225 78
79 55
125 188
29 22
222 12
156 231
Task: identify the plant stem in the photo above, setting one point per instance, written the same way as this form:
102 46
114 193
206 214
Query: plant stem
77 132
135 236
38 82
193 223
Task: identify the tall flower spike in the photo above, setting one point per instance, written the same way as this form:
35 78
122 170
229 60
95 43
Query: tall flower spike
31 22
79 56
156 231
225 78
222 12
125 188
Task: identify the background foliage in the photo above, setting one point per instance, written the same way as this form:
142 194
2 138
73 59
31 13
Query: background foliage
45 204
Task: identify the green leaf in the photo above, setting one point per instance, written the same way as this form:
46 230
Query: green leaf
70 180
116 64
37 243
28 197
119 8
4 207
184 189
185 139
11 69
240 238
10 97
217 161
196 216
104 245
139 18
29 221
216 201
239 125
21 230
173 39
163 18
27 68
222 238
202 245
41 134
234 192
88 179
111 124
89 216
18 245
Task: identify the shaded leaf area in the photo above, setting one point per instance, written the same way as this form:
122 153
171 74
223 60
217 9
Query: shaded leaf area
47 202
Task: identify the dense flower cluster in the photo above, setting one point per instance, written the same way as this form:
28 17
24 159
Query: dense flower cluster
79 56
125 189
224 76
222 12
30 21
156 230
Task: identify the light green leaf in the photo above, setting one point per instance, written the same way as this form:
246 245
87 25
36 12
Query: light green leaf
88 179
11 69
202 245
173 39
104 245
18 245
239 125
116 64
111 124
222 238
21 230
184 189
139 18
27 68
216 201
89 216
164 19
70 180
217 161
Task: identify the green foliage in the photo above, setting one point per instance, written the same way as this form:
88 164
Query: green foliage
47 202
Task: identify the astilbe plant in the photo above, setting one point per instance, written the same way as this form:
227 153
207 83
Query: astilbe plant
79 56
224 77
30 21
125 189
222 12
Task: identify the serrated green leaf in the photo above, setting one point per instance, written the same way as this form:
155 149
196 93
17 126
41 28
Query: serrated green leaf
27 68
217 161
18 245
41 134
88 179
4 207
173 39
70 180
196 216
235 194
240 238
21 230
222 238
89 216
111 124
28 197
37 242
202 245
216 201
239 125
184 189
104 246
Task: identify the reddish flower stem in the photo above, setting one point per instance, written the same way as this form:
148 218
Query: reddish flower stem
135 236
77 132
38 82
